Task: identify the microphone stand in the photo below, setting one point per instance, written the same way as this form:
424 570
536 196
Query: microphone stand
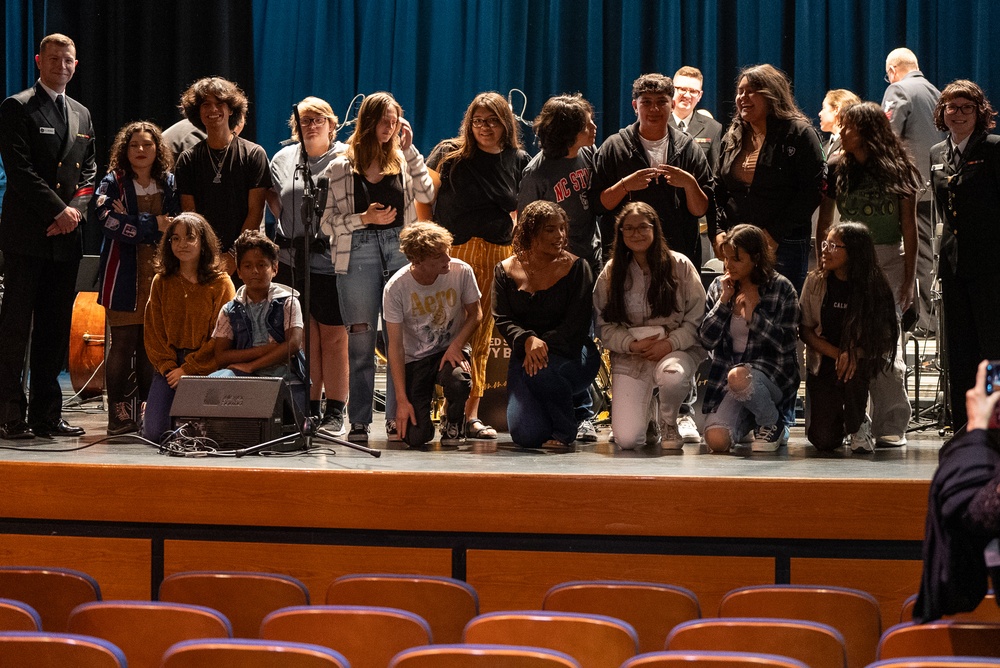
313 204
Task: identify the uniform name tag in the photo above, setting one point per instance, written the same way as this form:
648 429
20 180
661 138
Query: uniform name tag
47 131
937 168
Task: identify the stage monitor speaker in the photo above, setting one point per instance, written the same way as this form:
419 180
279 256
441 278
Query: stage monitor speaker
236 412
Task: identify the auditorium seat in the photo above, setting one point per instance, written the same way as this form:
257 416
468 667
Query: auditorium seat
18 616
368 636
248 653
482 656
986 611
34 649
814 644
595 641
853 612
652 609
446 604
53 592
245 598
144 630
938 662
941 638
708 659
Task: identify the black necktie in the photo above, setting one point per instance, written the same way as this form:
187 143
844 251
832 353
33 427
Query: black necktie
683 126
956 158
61 106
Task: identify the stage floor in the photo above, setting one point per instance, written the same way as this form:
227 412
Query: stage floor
916 461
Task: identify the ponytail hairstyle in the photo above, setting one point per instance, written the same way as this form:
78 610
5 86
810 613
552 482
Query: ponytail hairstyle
662 293
870 323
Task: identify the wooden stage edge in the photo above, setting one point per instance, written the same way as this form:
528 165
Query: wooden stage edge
510 534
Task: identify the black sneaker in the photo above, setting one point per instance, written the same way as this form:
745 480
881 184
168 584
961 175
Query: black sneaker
333 422
358 433
769 438
451 433
391 433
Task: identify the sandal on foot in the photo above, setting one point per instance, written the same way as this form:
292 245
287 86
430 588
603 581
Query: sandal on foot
477 429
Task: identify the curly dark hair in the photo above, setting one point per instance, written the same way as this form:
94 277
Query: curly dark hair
888 162
751 240
254 239
662 293
118 157
652 83
870 322
224 90
531 221
972 92
560 121
209 263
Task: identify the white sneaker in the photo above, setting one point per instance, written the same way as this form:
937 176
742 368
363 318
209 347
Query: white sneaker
769 438
670 438
862 442
687 429
586 432
891 440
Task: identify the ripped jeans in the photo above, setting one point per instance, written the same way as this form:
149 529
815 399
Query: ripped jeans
630 412
375 257
741 412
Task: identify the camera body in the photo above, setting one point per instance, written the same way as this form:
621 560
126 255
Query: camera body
993 384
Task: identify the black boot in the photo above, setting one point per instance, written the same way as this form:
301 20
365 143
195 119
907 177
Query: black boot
120 419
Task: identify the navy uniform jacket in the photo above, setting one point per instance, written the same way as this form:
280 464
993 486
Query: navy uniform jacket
909 103
707 133
968 202
46 171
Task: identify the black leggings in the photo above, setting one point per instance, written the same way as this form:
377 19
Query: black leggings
126 344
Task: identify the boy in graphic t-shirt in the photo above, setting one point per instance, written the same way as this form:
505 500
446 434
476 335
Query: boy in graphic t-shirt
431 309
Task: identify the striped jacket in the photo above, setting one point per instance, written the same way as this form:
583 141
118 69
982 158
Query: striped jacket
339 220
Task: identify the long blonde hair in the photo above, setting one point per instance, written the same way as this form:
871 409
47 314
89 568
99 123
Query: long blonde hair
364 146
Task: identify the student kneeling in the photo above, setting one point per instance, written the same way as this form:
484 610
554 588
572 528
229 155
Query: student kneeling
259 333
431 309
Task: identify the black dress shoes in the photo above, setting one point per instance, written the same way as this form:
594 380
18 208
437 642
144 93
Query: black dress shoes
56 428
15 430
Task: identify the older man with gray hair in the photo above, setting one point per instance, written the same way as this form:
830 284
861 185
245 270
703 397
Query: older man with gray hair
909 103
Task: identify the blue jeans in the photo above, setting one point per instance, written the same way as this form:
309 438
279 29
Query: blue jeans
156 419
741 412
793 261
375 257
544 406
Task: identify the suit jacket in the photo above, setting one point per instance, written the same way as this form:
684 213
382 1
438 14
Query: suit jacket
707 133
50 165
909 103
968 200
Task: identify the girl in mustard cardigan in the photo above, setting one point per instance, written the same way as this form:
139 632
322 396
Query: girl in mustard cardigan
188 291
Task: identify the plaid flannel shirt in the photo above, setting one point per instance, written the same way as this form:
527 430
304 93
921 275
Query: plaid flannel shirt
770 346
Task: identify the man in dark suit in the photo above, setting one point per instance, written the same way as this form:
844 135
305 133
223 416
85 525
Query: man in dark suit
705 130
47 144
909 102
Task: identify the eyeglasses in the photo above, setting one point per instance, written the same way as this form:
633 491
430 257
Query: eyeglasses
887 70
830 246
959 108
693 92
310 121
637 229
492 122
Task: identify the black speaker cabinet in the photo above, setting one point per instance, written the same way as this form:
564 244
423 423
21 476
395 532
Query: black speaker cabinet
236 412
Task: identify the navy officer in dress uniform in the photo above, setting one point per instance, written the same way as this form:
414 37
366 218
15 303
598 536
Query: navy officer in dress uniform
47 144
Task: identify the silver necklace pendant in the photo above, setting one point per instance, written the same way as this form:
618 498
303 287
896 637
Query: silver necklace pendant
218 178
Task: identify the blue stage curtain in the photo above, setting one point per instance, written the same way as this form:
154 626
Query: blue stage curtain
435 55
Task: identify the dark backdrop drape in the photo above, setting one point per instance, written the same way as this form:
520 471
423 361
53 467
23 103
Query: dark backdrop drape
434 55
